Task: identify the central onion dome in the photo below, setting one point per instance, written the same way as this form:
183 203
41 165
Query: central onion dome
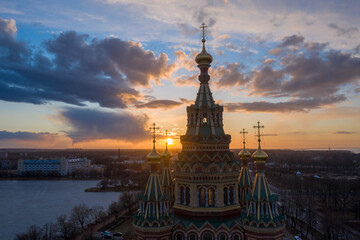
203 57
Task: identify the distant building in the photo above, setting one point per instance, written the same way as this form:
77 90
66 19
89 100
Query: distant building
7 164
4 154
62 167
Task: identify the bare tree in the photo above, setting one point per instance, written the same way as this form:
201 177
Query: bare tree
65 227
114 208
127 200
97 213
81 215
49 231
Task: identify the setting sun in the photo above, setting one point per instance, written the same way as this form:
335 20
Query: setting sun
170 141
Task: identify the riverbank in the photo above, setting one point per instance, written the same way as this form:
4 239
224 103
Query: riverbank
112 189
47 178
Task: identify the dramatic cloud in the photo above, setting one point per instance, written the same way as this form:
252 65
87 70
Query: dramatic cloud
26 136
90 124
229 75
185 61
165 104
75 69
293 40
343 132
347 32
267 80
185 80
300 105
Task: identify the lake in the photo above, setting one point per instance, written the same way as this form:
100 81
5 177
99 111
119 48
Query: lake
27 202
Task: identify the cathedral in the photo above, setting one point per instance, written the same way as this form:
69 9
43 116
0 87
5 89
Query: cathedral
209 196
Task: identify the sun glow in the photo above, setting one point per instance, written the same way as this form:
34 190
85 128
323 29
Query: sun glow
170 141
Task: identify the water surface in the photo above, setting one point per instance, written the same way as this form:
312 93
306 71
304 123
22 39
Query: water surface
27 202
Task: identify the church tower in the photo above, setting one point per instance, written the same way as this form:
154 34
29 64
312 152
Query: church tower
212 198
153 221
245 181
166 180
206 173
261 218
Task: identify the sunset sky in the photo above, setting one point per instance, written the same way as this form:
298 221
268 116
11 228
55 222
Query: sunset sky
97 73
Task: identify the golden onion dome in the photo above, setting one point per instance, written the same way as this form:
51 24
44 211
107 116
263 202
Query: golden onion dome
244 153
203 57
153 156
166 154
259 155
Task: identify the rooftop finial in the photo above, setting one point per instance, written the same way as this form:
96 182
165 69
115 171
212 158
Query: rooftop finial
154 128
203 27
258 134
203 57
243 132
166 142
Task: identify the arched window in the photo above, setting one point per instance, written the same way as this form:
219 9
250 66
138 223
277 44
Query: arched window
231 195
192 236
181 194
236 237
226 200
179 236
187 195
202 200
207 236
222 236
211 196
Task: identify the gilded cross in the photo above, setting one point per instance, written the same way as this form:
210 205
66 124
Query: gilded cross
243 132
259 134
154 128
203 26
166 134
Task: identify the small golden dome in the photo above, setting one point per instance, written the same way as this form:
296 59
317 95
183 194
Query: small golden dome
203 57
153 156
259 155
244 153
166 154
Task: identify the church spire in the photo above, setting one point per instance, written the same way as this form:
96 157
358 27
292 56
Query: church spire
261 207
245 182
154 205
166 179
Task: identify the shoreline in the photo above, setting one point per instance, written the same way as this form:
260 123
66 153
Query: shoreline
46 178
112 189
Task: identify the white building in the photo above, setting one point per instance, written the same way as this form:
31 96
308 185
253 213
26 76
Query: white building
61 167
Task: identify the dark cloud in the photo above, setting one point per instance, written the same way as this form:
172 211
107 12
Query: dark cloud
343 132
315 47
90 124
165 104
319 75
187 30
300 105
229 75
25 136
75 69
267 80
293 40
347 32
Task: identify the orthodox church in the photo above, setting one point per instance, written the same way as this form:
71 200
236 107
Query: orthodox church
208 196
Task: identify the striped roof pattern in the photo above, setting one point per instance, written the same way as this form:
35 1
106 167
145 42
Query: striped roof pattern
245 178
167 182
204 96
261 202
154 204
